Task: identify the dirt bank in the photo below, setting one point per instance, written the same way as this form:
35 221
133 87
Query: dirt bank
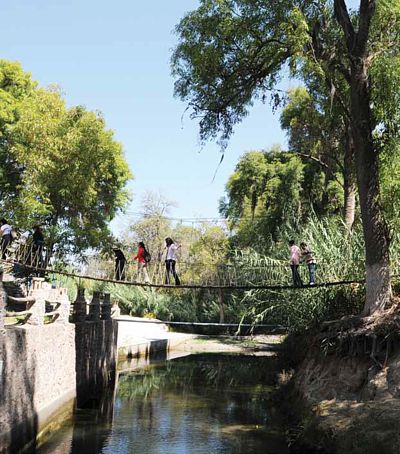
347 388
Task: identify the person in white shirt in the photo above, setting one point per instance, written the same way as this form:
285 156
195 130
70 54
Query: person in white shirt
170 261
6 238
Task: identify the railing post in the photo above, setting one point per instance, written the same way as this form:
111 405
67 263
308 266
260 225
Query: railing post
64 306
94 307
79 307
106 307
38 307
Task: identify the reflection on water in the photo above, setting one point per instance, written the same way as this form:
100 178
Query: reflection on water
207 403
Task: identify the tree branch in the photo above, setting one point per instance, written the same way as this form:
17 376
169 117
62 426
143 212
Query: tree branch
342 16
321 163
367 9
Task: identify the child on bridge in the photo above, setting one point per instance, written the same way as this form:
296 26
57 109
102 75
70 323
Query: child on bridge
309 258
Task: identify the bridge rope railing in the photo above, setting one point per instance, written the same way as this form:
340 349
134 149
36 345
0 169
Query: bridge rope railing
273 276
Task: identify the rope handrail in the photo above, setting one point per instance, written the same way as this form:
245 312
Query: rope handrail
273 275
186 286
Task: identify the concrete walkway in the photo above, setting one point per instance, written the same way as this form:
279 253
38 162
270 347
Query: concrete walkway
143 337
139 337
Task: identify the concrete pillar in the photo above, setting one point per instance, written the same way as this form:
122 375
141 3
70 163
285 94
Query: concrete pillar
79 311
64 306
106 307
94 307
38 307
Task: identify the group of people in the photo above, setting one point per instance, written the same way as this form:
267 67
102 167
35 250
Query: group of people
297 254
8 235
143 258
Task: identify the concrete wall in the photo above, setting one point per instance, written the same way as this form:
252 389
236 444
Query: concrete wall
49 369
140 337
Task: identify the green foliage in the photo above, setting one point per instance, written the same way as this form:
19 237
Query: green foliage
264 192
317 134
59 167
390 181
15 87
231 52
187 305
339 257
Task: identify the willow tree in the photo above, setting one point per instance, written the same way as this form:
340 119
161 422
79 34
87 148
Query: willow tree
234 51
262 194
317 131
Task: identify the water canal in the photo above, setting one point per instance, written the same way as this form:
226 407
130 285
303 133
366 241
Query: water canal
202 403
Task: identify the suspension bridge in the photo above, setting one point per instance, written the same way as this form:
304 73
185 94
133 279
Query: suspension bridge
271 275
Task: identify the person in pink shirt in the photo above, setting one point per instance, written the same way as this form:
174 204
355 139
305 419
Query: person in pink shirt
295 255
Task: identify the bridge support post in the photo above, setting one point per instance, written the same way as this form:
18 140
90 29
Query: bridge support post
106 307
94 307
64 306
79 307
37 307
221 306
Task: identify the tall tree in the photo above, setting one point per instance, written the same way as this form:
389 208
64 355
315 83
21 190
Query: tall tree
72 172
233 51
263 193
16 86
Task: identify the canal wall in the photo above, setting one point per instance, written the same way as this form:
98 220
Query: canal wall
46 371
138 337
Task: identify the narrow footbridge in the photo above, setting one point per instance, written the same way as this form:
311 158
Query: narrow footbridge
271 274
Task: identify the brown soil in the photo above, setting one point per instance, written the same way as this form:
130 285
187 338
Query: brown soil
350 379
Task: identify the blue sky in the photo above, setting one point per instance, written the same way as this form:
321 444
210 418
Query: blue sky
114 57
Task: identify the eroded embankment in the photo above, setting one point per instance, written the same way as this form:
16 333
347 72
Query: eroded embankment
345 392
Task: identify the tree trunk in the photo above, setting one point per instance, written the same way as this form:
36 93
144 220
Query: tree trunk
378 287
349 182
376 238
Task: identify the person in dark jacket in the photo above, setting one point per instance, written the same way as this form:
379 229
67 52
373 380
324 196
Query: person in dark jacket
120 262
37 246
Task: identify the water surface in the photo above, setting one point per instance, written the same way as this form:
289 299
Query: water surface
206 403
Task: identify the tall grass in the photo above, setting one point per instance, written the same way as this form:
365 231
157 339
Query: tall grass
340 256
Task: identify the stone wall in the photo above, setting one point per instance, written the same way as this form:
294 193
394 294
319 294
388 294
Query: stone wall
49 369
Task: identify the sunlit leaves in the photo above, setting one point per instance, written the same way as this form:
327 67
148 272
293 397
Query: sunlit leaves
71 171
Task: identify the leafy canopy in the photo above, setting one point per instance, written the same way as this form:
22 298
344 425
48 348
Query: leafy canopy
61 167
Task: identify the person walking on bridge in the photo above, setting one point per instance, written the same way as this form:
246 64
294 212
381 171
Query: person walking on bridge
309 258
170 261
120 262
6 237
295 255
37 246
142 263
